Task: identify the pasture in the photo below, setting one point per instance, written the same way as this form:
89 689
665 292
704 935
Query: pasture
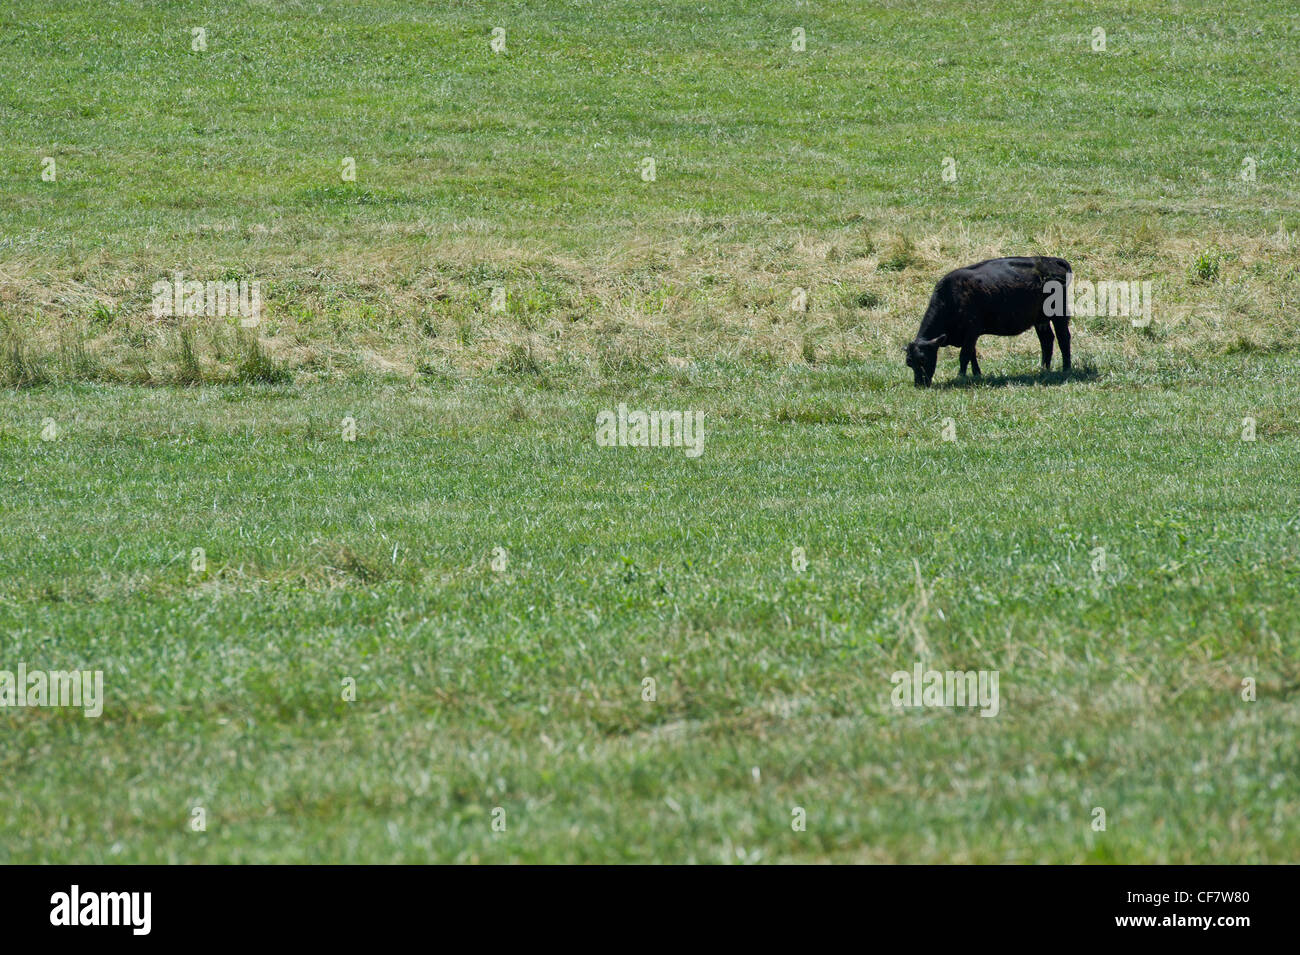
391 490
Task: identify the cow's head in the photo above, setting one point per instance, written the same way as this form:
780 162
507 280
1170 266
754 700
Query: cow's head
922 355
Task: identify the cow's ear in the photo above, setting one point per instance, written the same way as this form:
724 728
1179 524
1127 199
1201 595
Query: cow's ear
940 341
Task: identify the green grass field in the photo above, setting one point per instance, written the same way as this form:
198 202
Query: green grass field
507 686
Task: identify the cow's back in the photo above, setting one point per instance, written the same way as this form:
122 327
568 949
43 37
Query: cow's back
1005 296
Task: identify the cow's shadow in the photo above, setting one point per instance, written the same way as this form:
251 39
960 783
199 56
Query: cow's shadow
1079 373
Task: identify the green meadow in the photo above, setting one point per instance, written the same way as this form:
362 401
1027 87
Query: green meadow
363 585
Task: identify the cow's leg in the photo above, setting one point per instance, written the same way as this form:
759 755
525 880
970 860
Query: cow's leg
968 356
1044 330
1062 326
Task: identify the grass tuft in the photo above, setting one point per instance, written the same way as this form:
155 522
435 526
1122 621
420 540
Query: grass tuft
1205 268
256 364
20 368
520 360
188 369
900 255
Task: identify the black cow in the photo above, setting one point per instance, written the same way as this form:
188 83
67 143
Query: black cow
993 297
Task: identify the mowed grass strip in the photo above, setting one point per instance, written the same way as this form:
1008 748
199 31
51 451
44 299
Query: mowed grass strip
522 688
